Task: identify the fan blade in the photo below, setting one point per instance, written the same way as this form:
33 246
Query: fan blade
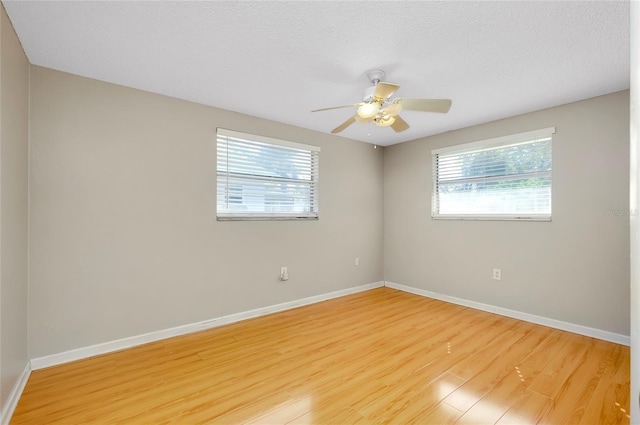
337 107
344 125
393 109
425 105
384 90
399 125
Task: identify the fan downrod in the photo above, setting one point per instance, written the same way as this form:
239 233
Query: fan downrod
375 76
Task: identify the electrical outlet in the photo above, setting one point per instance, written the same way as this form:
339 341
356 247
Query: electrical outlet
284 273
497 274
356 262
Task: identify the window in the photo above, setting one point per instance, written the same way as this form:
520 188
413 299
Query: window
263 178
507 178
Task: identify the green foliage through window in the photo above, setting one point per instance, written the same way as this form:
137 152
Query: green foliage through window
509 180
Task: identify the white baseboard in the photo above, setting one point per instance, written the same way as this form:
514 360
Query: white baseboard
11 402
552 323
120 344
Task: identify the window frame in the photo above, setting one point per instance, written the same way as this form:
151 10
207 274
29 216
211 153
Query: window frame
497 142
314 170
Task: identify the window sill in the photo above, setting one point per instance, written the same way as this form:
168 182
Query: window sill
492 218
254 218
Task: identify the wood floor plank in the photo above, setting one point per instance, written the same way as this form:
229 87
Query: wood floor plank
380 356
529 410
439 414
510 386
422 399
576 393
562 365
608 405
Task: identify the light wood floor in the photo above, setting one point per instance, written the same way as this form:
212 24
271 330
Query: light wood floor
381 356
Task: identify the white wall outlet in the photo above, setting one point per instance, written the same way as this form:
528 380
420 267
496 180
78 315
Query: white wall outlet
356 261
284 273
497 274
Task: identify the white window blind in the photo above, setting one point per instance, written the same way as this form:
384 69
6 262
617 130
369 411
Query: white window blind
507 178
264 178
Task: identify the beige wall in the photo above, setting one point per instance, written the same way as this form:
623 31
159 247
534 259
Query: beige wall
634 108
123 236
574 269
14 125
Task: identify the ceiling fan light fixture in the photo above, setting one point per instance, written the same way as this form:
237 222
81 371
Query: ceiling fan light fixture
385 121
368 110
377 108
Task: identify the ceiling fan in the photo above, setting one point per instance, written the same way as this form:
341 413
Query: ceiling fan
376 106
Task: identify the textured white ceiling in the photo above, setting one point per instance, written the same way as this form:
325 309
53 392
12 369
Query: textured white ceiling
280 60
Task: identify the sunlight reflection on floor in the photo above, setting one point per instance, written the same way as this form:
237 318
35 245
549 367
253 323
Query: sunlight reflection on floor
283 412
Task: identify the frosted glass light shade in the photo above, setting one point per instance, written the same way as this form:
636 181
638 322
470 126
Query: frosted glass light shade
385 121
368 110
